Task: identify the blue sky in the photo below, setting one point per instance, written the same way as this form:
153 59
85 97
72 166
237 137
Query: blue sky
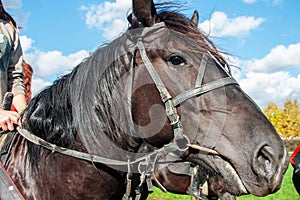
261 36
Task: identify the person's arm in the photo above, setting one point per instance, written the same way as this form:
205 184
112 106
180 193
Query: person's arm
15 80
15 74
19 102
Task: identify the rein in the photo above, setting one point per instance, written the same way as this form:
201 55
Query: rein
180 142
141 161
89 157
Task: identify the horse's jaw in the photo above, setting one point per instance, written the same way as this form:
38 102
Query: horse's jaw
228 172
225 170
235 182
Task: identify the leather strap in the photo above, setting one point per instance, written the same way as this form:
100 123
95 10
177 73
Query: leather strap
8 190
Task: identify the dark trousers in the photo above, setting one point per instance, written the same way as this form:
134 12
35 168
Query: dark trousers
296 181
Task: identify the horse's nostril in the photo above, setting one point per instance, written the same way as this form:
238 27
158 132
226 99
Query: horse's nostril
263 161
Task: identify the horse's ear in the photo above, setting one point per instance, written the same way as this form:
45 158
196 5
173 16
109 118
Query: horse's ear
195 18
143 13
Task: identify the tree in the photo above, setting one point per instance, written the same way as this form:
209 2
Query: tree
286 120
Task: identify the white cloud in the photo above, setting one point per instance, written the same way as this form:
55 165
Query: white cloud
13 7
273 2
249 1
108 17
38 85
274 87
26 43
12 4
53 63
270 79
47 66
220 25
279 58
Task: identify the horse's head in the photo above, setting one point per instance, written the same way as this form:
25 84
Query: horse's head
176 68
162 84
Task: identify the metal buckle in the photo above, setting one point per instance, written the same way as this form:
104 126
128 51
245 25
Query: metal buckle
182 143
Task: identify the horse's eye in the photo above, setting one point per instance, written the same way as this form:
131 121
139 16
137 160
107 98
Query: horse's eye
177 61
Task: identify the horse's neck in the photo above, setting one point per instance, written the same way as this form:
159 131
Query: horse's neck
84 180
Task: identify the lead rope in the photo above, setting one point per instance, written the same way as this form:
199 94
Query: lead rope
193 171
126 196
145 176
155 178
139 189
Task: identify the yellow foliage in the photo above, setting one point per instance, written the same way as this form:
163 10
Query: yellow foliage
286 120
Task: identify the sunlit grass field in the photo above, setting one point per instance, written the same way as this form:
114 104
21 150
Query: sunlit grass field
287 192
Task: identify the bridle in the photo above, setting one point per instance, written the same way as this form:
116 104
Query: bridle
180 142
170 103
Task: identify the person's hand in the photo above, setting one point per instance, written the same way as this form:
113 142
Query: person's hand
8 119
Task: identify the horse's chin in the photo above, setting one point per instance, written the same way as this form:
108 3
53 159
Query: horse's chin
232 182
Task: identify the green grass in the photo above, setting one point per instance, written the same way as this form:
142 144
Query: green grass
286 192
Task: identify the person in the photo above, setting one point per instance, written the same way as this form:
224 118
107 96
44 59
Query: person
11 70
295 161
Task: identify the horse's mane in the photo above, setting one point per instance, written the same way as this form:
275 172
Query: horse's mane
76 103
77 106
183 25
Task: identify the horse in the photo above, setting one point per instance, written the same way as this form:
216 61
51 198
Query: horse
161 83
